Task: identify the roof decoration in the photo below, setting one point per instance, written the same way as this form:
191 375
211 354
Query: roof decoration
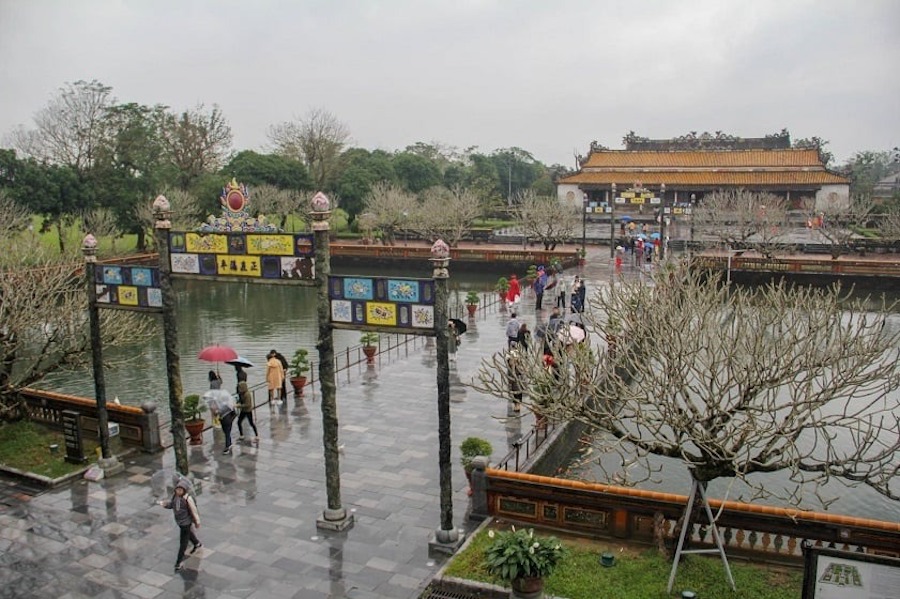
234 200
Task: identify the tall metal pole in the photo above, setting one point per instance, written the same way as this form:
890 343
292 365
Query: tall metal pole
584 207
447 538
612 221
162 212
693 207
662 222
89 249
334 517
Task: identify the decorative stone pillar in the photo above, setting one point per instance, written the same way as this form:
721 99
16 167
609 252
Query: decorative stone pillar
334 517
446 539
163 213
108 462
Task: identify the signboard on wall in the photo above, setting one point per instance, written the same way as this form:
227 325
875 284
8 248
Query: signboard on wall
835 574
124 286
382 302
243 255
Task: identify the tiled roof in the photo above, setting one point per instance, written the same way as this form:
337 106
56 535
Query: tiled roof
677 159
627 178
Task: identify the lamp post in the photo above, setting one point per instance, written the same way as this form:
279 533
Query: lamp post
108 462
584 207
334 517
612 221
162 213
405 226
447 538
662 222
693 207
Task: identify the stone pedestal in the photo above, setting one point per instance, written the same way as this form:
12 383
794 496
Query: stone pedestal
445 542
111 466
334 520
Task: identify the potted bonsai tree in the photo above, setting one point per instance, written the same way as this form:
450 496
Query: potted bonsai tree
502 287
298 368
472 300
369 339
523 560
470 449
192 408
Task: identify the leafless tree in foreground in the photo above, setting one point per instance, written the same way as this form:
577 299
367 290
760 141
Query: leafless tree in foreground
730 382
391 207
835 221
43 319
446 214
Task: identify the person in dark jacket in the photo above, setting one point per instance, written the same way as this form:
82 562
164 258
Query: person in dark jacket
184 508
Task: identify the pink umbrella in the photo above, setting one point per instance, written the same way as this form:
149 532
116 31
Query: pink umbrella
217 353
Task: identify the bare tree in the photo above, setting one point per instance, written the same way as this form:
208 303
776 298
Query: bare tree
15 216
545 219
70 129
197 141
738 217
834 221
317 140
276 203
101 222
447 214
391 206
889 225
732 383
44 328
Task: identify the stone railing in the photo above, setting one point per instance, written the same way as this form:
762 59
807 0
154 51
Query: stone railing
763 532
137 426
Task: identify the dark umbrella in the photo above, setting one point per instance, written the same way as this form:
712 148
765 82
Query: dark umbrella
625 219
460 326
240 361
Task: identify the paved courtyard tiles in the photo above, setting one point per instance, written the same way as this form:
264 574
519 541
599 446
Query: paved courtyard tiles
259 505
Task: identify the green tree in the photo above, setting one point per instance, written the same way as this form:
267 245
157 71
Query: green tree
416 173
362 169
252 168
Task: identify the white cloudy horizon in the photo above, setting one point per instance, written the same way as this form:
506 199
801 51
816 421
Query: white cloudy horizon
546 77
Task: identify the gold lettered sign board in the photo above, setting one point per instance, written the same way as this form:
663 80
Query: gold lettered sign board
245 255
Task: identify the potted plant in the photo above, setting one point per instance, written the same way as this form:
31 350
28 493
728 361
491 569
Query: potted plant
191 408
470 449
369 339
502 287
531 274
581 256
299 367
523 559
472 300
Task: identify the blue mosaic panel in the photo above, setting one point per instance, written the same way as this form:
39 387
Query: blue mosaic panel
383 302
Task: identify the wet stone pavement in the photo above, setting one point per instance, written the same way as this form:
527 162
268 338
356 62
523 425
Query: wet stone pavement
259 505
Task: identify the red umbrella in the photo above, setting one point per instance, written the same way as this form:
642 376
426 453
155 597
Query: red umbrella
217 353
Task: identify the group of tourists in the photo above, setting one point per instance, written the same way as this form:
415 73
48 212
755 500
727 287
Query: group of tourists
563 288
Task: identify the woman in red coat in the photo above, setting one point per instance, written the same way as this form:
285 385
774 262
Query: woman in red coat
512 296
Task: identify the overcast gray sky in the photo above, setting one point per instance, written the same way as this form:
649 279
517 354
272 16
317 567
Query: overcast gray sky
548 77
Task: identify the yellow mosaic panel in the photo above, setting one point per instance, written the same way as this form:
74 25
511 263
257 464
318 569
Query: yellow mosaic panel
270 245
128 295
381 314
210 243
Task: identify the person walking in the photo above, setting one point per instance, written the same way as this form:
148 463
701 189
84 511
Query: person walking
221 405
539 284
215 381
562 291
514 293
245 405
187 517
274 377
512 330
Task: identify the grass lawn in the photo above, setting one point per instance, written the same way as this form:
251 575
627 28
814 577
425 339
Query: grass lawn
639 573
26 446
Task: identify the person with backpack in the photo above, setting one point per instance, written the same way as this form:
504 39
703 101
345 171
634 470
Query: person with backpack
245 406
187 516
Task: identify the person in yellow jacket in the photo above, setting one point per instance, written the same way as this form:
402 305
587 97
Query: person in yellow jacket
274 377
